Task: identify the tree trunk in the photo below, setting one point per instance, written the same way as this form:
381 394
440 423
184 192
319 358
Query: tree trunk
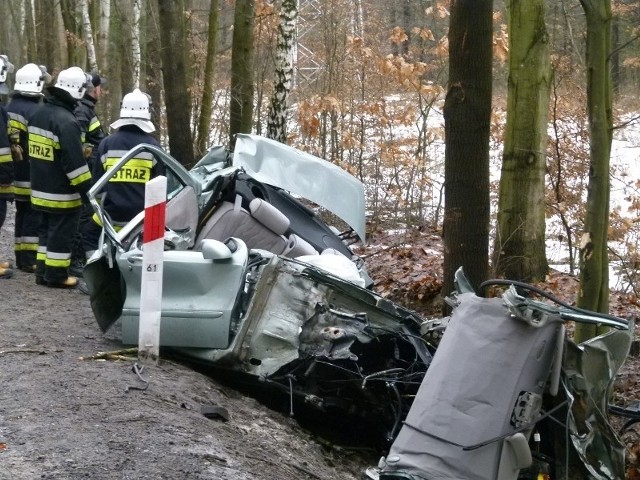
135 42
47 43
30 32
73 32
88 35
174 54
153 79
467 112
594 261
520 247
278 106
204 122
242 61
114 56
102 33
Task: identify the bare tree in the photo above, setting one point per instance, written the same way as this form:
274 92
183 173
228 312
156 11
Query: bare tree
88 35
174 54
520 243
204 122
135 42
48 49
467 113
76 53
277 121
594 259
102 32
242 74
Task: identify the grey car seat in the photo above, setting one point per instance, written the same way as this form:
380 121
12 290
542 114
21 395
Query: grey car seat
262 226
479 399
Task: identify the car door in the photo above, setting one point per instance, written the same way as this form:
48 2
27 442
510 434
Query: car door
107 287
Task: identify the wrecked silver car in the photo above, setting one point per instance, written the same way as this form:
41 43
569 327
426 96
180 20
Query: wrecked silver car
260 290
256 285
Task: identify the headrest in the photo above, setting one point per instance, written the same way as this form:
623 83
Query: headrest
269 216
299 246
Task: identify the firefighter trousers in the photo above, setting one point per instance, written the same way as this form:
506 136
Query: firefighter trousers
3 211
26 234
54 246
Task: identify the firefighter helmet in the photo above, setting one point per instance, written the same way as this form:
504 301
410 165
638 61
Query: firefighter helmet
136 105
135 109
74 81
30 79
6 67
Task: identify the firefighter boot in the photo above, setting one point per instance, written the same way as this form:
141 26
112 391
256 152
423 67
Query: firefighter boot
70 282
5 273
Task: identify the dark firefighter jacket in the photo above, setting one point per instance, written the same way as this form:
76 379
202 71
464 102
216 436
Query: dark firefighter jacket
92 132
60 177
6 161
124 197
20 109
85 112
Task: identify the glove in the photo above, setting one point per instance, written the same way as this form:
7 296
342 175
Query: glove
16 149
87 150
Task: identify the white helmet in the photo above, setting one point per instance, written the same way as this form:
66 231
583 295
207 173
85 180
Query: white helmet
6 67
136 105
74 81
30 79
135 109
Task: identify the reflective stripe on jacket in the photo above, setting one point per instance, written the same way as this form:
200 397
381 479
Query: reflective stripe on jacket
20 109
125 190
6 162
59 173
85 113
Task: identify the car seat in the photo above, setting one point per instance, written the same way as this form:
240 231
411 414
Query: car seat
263 226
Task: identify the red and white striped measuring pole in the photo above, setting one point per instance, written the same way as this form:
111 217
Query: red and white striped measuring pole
155 203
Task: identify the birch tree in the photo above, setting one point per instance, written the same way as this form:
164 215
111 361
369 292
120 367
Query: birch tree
467 114
278 106
102 32
594 260
135 42
88 35
520 243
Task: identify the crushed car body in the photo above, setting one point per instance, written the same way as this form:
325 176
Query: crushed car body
258 287
254 283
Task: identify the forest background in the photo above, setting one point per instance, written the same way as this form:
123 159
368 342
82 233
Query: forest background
364 84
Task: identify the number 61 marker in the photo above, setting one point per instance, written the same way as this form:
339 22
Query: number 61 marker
155 203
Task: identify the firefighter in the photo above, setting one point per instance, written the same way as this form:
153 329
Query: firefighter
6 163
27 97
60 177
85 112
92 135
123 196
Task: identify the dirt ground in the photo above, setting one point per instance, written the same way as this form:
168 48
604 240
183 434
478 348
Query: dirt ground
65 417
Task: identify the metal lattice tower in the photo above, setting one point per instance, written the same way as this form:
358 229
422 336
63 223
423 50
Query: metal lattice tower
307 65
